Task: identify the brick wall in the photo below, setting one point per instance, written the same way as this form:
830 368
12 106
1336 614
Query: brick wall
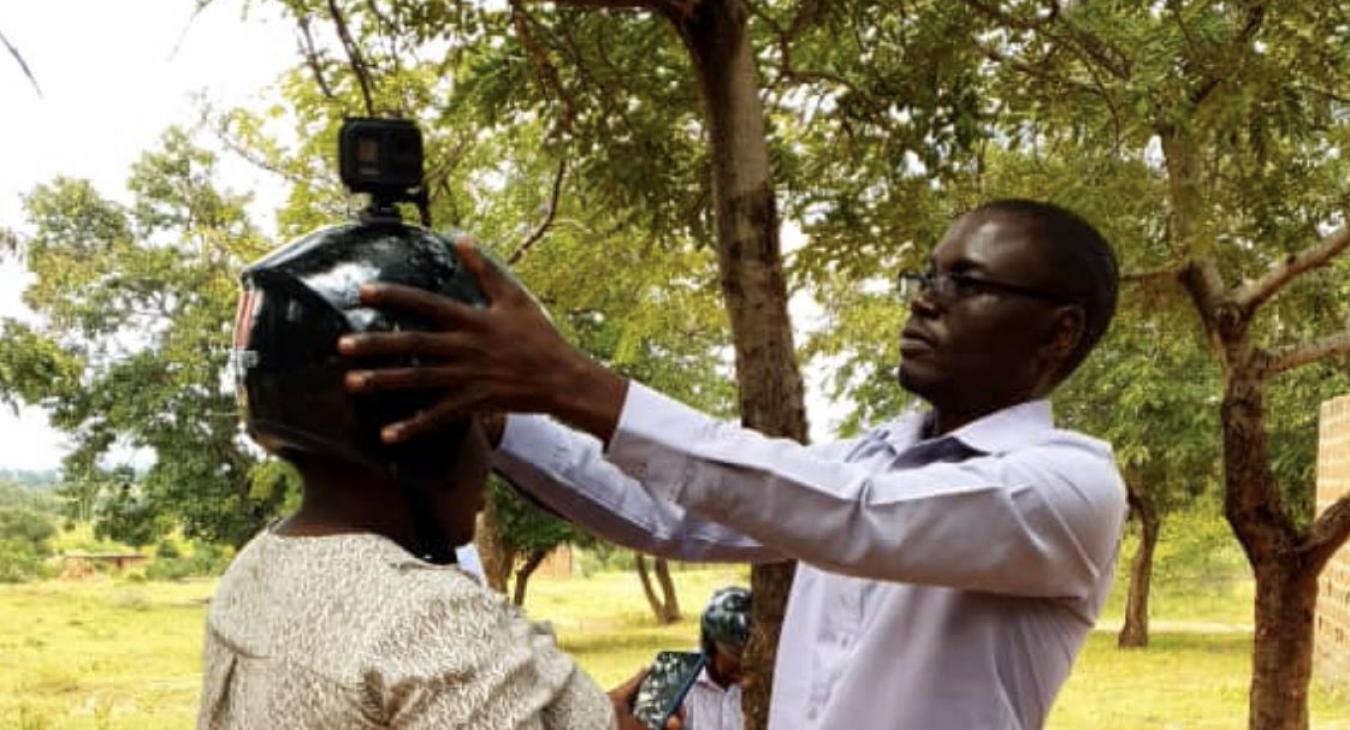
1332 655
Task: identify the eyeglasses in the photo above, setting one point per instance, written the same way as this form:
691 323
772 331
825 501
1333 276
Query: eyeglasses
949 288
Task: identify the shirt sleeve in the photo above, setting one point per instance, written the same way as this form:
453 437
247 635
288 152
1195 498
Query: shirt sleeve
475 663
1039 521
566 471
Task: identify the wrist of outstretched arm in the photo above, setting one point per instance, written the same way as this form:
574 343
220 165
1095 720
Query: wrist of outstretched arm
587 396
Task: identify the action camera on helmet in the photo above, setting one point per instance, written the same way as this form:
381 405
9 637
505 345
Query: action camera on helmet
381 157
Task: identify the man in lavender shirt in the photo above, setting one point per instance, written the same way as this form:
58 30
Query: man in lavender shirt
952 560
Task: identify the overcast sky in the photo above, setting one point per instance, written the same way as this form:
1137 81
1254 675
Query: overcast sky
114 75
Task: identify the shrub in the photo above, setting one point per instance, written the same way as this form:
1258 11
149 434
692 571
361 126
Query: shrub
167 549
603 557
206 559
27 526
20 560
168 569
210 558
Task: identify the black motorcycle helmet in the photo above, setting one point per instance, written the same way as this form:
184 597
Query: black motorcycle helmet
726 621
296 303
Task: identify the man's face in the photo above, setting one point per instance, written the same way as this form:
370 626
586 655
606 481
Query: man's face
726 665
978 348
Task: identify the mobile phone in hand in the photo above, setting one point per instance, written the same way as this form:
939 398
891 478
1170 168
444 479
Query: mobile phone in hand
662 692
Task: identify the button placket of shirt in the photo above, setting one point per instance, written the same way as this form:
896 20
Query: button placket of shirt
822 679
848 622
843 612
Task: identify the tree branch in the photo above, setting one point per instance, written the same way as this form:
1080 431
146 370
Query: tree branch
548 73
1324 93
312 56
873 106
548 218
255 159
1327 534
677 10
1253 295
1185 30
1203 282
1104 53
1111 106
808 14
1304 353
1232 53
1087 45
993 11
608 93
11 245
23 65
390 27
1040 73
1139 277
602 4
357 62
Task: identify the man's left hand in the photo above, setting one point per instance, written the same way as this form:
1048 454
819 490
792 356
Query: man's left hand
505 357
622 698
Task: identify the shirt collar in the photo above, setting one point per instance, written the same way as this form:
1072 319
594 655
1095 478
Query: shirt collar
1011 428
705 679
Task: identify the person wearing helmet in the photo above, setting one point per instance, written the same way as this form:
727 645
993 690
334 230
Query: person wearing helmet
351 612
714 701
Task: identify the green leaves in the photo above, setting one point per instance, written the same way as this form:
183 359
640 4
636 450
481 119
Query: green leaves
32 366
134 309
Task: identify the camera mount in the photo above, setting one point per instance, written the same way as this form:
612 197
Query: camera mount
383 158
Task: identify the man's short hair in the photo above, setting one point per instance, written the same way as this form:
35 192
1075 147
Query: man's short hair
1088 273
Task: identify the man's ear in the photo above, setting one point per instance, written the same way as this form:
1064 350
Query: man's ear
1068 327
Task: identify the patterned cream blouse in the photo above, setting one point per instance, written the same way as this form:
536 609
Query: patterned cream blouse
350 631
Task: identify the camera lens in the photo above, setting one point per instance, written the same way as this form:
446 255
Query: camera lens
368 156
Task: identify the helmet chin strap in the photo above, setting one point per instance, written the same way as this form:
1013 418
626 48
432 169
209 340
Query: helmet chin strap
429 541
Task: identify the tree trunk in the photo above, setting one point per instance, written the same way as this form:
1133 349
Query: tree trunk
640 562
670 602
661 605
523 575
770 386
495 556
1135 631
1286 597
1286 584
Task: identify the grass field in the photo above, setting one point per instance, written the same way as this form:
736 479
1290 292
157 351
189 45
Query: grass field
107 653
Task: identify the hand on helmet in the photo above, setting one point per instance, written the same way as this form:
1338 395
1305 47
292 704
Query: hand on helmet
505 357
